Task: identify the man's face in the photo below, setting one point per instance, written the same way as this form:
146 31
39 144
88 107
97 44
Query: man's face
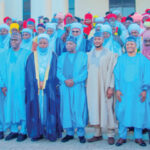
76 32
60 20
69 20
26 35
41 30
30 26
131 47
98 41
135 33
43 43
138 22
3 32
70 46
147 42
98 29
106 35
9 21
112 19
88 21
50 31
15 41
127 23
14 30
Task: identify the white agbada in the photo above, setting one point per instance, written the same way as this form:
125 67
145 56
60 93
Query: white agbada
100 77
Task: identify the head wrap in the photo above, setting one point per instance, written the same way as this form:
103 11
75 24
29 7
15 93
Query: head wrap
146 50
14 25
4 26
137 17
51 26
27 30
66 16
41 25
99 19
43 36
116 12
130 39
88 29
147 23
80 37
147 10
72 39
4 39
98 25
98 34
5 19
111 16
134 27
60 15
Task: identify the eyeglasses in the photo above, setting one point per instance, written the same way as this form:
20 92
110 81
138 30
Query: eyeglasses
75 31
15 40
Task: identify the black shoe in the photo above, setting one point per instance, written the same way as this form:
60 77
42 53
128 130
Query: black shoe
1 135
67 138
37 139
21 137
82 139
11 136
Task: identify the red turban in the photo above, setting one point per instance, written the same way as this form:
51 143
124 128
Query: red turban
88 29
67 15
24 24
147 10
5 19
123 19
111 16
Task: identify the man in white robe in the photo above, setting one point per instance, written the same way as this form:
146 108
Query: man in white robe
100 90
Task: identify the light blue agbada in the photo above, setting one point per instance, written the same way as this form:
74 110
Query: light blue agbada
4 39
27 43
110 43
73 111
136 27
132 76
14 79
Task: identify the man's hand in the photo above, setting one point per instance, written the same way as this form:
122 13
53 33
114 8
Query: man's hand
110 92
4 90
119 94
41 85
69 83
143 96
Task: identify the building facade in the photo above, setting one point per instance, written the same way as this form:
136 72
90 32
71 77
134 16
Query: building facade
23 9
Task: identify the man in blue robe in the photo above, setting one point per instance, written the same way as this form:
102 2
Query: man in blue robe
131 83
27 39
4 37
72 74
43 106
13 75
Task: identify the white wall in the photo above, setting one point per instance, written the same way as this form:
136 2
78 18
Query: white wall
96 7
141 5
2 10
14 9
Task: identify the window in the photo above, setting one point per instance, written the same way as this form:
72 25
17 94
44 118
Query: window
125 6
72 6
26 9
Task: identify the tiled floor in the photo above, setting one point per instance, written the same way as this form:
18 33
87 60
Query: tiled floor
72 145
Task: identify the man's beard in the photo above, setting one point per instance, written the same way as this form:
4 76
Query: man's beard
99 46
